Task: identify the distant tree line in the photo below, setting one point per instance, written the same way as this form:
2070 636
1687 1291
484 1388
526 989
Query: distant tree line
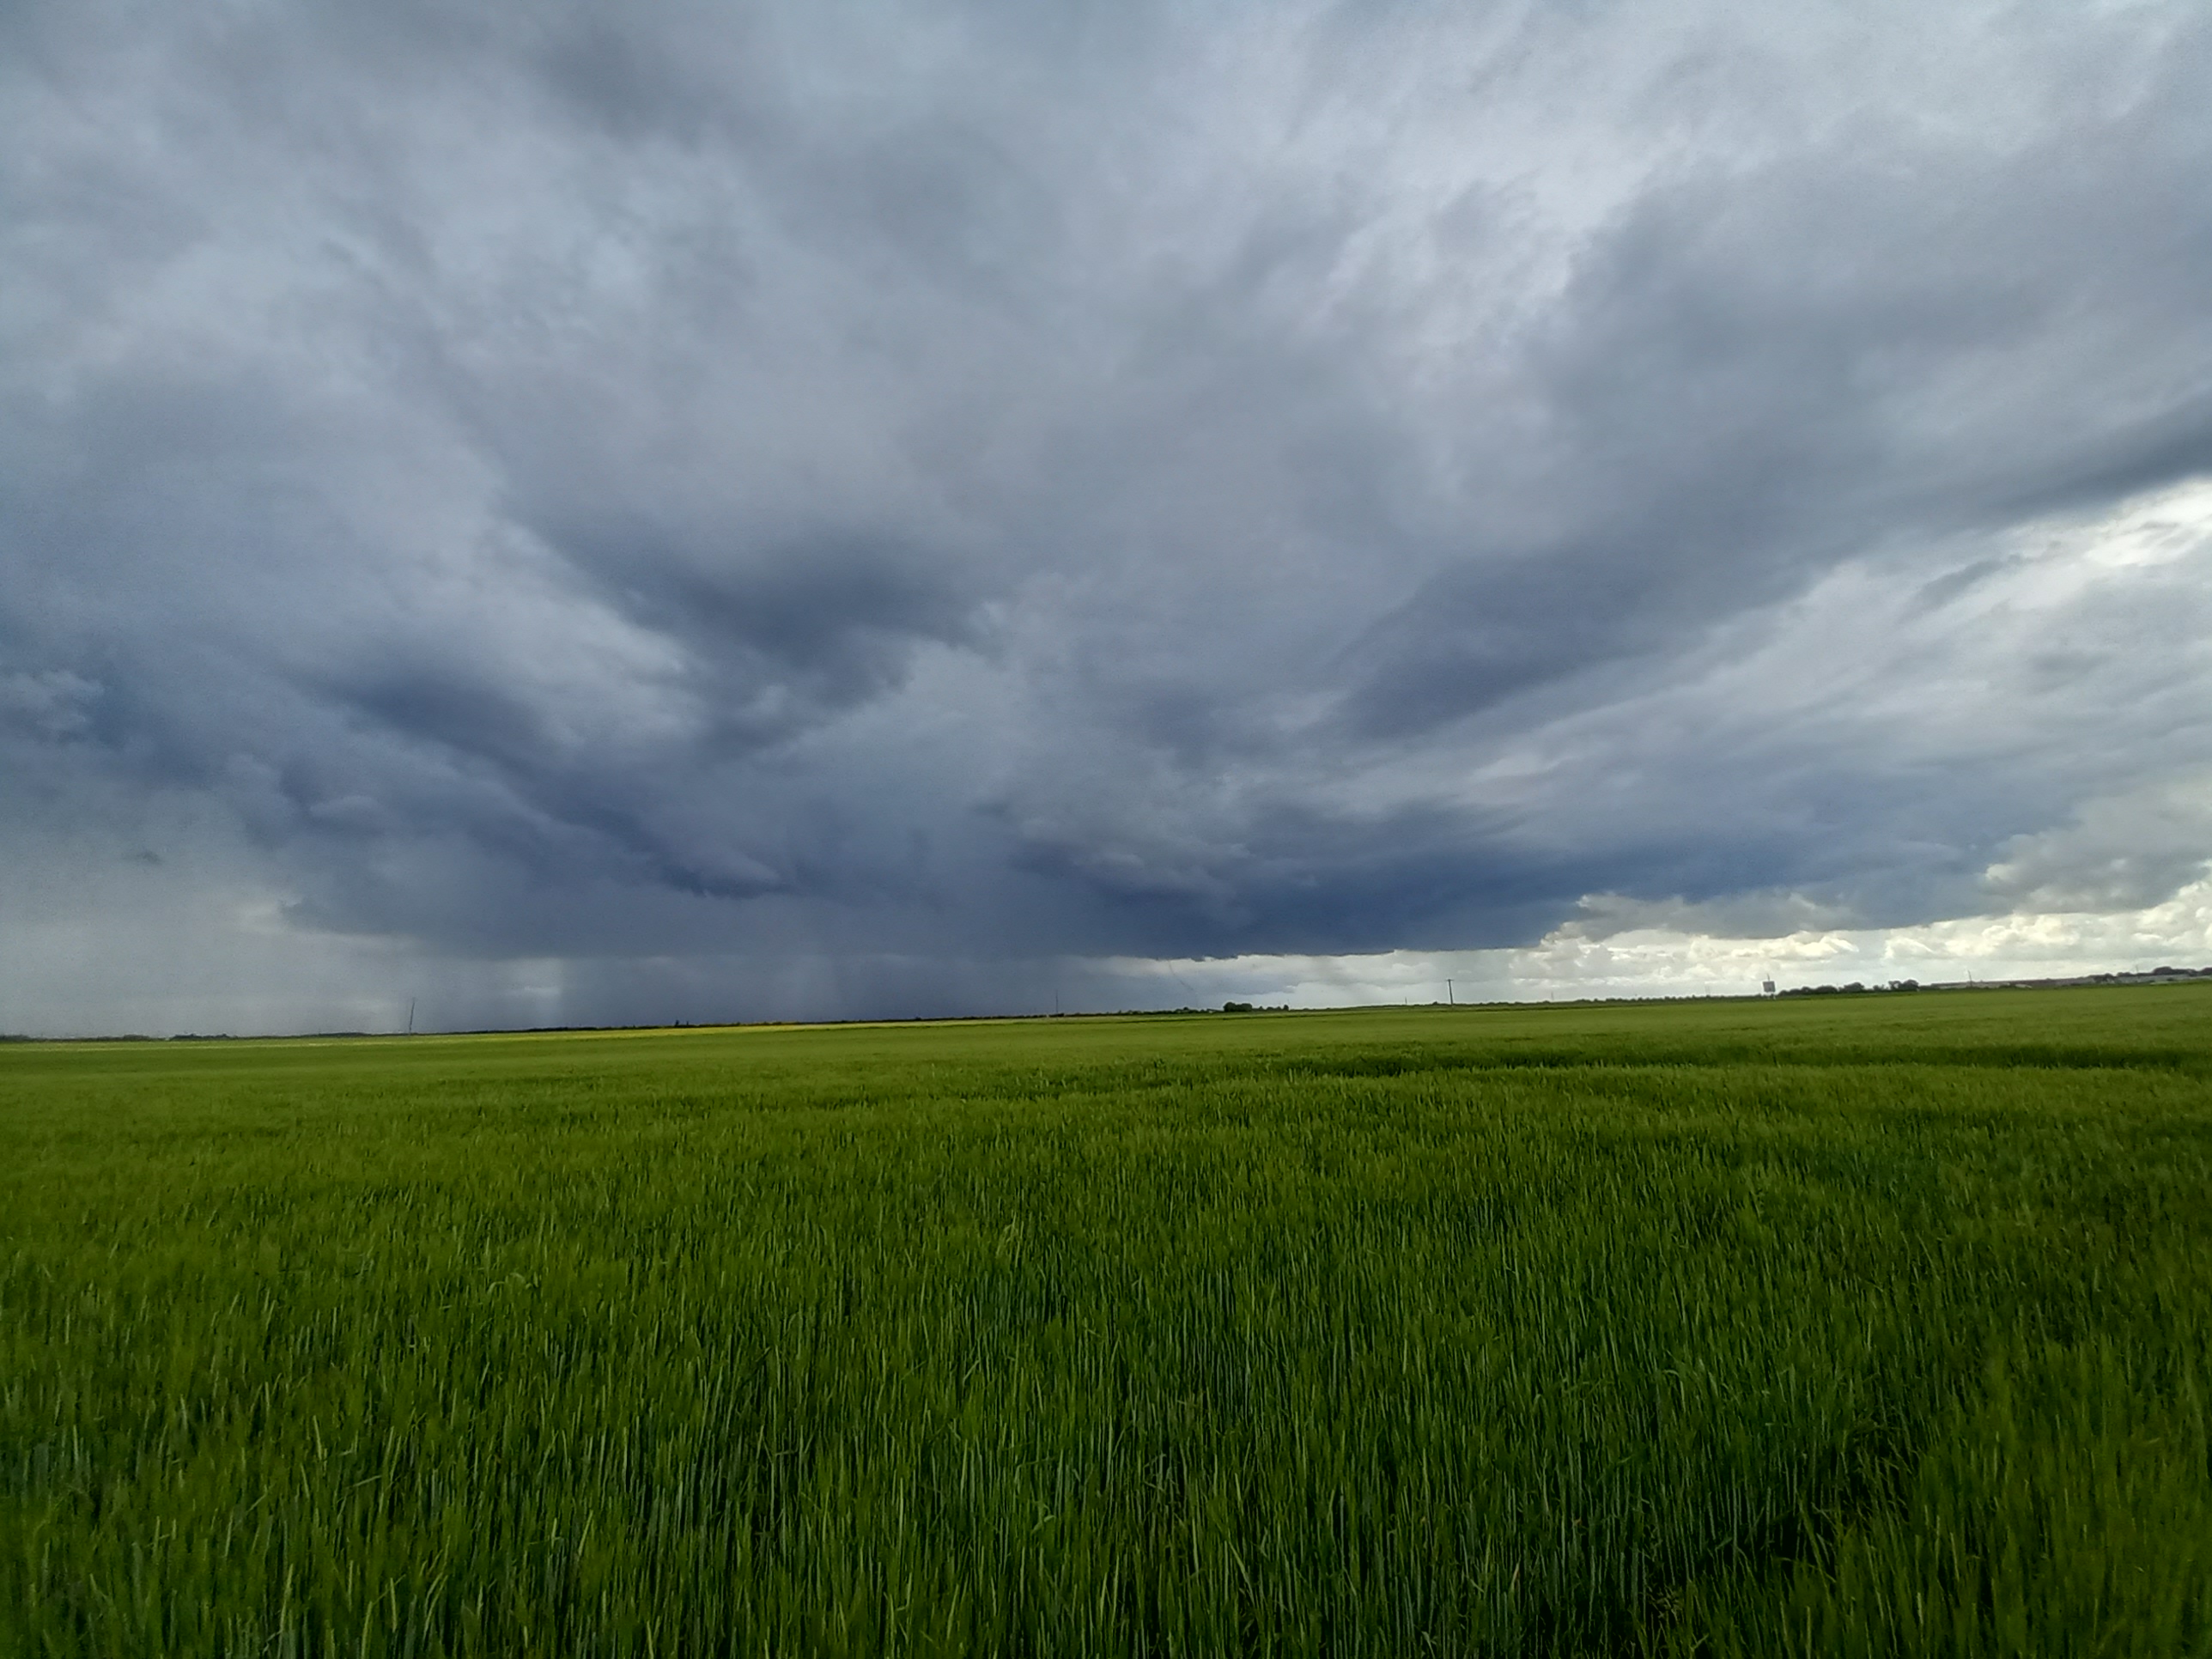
1854 989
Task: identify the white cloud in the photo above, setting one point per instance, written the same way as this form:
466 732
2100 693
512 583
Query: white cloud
1658 962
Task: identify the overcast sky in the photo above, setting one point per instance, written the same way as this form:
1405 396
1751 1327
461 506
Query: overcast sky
570 513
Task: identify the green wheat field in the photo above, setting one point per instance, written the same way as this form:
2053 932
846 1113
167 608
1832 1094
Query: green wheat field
1854 1326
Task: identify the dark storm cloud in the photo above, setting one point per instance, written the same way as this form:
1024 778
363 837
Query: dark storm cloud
966 484
806 626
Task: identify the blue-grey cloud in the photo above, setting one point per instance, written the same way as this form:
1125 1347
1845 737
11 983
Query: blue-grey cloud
974 484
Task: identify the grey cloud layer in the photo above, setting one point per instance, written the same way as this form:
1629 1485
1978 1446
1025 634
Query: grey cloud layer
854 484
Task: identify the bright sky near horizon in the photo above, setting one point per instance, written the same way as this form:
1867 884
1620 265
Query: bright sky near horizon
571 514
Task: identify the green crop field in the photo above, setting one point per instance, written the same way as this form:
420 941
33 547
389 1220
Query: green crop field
1866 1325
